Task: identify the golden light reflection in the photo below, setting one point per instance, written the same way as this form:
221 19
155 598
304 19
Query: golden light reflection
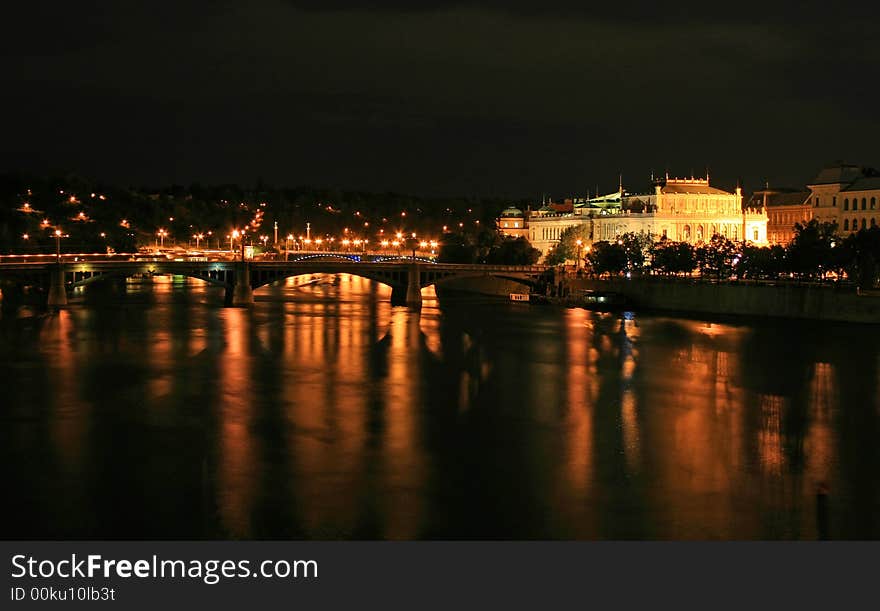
582 390
629 418
770 436
238 467
819 441
402 459
70 418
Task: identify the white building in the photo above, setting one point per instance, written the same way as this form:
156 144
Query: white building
681 209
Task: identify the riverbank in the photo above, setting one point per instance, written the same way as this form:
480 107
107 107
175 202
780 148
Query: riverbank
686 296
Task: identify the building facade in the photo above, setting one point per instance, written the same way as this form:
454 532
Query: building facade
785 208
848 195
513 222
680 209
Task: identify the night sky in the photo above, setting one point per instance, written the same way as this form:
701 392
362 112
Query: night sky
469 98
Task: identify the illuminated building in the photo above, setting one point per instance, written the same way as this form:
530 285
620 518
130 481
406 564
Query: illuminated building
785 207
680 209
847 195
513 222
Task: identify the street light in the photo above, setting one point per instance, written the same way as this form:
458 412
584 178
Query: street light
58 246
241 240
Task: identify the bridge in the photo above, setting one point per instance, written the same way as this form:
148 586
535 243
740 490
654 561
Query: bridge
405 276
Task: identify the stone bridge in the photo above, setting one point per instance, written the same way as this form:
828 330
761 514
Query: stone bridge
406 277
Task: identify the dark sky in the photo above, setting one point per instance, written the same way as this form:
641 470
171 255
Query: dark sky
448 98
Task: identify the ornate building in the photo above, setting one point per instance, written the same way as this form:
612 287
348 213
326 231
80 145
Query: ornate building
513 222
691 210
847 195
681 209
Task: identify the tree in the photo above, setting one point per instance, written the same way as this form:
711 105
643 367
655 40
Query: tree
762 262
638 249
457 248
607 258
810 251
717 256
860 255
668 257
486 246
513 251
567 249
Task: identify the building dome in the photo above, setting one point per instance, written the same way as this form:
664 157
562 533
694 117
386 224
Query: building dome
511 212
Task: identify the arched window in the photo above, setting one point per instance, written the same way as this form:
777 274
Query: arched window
699 233
755 235
873 203
846 224
864 222
846 204
686 232
864 204
873 222
855 225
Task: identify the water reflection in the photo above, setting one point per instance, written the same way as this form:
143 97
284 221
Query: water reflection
323 412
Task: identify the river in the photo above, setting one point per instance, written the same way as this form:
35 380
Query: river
324 413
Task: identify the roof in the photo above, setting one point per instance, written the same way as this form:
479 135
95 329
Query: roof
840 173
865 183
695 189
693 186
796 198
512 211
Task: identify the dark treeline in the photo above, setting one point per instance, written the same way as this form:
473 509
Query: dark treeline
489 246
128 216
816 253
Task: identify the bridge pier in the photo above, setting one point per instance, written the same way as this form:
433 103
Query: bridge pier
398 295
57 290
413 288
243 293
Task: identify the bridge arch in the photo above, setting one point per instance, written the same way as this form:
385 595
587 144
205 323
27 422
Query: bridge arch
75 278
441 278
393 279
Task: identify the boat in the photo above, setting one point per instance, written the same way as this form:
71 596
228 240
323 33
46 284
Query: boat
601 300
519 297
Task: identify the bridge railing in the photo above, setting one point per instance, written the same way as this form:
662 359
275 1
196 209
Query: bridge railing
119 263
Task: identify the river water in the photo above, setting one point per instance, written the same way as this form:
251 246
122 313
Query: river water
324 413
